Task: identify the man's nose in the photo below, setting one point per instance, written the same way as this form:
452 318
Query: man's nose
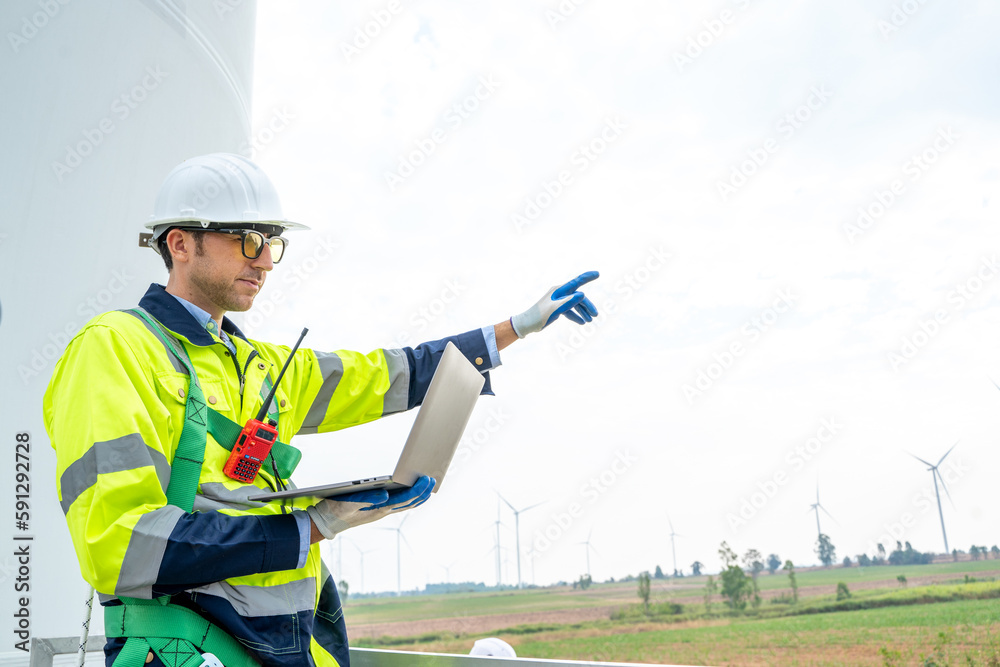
263 260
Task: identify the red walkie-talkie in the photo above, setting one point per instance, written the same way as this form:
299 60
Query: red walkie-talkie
257 437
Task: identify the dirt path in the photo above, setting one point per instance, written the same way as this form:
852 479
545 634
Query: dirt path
476 624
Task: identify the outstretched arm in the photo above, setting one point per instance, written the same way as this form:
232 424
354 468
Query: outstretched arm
504 333
562 300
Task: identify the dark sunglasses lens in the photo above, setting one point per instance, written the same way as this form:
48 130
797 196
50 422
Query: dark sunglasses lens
278 246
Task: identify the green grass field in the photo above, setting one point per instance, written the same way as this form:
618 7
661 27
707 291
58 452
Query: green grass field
849 575
388 610
927 625
855 637
392 609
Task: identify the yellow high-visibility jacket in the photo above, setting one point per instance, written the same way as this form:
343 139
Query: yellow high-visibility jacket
114 410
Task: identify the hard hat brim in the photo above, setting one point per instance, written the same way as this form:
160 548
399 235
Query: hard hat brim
160 226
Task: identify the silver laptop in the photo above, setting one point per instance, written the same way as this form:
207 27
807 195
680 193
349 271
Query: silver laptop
433 439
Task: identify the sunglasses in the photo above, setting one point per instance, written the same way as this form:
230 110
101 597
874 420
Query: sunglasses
253 242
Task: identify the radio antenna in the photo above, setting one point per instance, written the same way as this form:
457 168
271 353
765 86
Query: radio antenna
274 388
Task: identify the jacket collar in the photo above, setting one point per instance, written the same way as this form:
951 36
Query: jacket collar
170 313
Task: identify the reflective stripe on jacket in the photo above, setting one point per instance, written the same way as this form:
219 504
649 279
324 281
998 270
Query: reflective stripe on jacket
113 410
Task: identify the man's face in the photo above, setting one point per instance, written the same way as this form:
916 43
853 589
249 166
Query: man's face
223 276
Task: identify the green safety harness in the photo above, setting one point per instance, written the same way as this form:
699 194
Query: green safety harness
176 634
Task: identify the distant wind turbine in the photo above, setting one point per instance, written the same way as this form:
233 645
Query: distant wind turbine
532 555
936 474
497 547
588 547
816 506
447 571
499 573
517 531
328 550
362 554
399 553
672 548
340 557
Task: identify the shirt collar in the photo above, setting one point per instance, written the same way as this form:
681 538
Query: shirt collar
202 316
173 313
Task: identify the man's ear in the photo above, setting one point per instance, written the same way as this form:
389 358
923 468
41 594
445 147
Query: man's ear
180 245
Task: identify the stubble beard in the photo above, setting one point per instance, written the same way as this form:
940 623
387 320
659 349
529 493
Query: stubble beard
221 291
223 294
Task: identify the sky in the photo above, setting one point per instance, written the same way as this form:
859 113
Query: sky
792 207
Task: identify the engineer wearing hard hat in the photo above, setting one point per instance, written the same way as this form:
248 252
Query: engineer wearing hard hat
145 405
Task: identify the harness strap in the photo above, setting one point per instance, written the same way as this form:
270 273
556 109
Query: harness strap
185 470
223 429
146 622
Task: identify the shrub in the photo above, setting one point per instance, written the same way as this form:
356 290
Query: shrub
842 592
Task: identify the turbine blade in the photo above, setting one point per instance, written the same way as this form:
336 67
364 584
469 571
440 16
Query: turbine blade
994 383
506 501
929 465
531 507
829 515
947 452
938 473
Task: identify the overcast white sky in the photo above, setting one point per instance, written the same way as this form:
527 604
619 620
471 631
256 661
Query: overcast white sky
806 111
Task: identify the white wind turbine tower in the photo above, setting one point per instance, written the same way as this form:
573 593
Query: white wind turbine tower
588 548
816 507
399 553
339 544
497 523
532 555
936 474
672 548
340 557
447 571
362 555
517 531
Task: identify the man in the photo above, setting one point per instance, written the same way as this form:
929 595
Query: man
141 409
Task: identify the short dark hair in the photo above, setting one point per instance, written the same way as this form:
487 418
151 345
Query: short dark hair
161 244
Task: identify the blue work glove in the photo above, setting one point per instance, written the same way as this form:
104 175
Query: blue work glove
560 300
335 515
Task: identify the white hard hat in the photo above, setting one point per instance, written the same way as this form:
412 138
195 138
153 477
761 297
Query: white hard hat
216 190
493 646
